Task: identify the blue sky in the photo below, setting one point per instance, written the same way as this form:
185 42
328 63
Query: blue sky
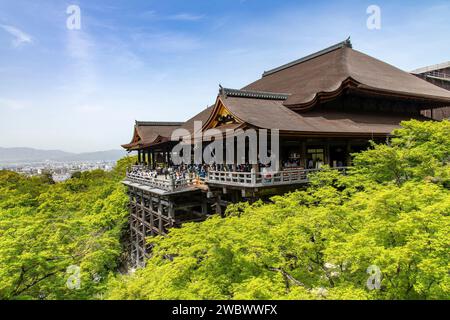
81 90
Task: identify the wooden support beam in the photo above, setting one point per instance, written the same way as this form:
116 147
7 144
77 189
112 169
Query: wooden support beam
160 213
218 207
204 207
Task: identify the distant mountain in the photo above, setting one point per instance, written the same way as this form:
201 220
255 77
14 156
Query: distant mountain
24 155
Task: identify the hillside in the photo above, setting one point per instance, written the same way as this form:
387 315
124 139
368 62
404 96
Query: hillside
380 232
22 155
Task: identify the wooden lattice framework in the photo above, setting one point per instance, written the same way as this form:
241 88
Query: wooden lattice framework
153 213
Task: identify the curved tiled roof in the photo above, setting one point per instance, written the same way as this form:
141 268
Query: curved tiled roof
148 133
271 101
329 71
271 114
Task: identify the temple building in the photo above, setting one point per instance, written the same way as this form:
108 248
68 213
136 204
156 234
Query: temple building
438 74
324 107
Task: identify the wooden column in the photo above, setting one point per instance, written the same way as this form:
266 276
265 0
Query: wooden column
349 150
327 159
132 233
171 211
160 213
144 228
204 207
303 153
218 207
167 157
152 221
153 160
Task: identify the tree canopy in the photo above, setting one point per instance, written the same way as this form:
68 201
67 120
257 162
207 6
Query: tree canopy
387 218
382 231
60 241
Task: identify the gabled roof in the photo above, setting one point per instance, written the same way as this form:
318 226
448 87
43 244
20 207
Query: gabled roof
253 94
148 133
272 101
328 72
272 114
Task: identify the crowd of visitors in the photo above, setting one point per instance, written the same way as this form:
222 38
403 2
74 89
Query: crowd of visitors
184 171
192 171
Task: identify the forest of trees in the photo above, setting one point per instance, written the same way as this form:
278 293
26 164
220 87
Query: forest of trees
49 232
384 226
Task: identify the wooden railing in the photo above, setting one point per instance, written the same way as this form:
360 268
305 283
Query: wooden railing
227 178
169 184
259 179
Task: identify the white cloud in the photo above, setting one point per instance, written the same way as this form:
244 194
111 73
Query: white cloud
150 14
185 17
167 42
20 37
13 104
81 76
90 109
182 16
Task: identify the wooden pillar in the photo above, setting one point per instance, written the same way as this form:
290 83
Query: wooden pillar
218 207
204 207
349 150
167 156
327 159
153 160
152 217
132 233
144 228
303 154
171 212
160 213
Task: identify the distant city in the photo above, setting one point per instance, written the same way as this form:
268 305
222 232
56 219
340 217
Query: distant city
60 171
59 164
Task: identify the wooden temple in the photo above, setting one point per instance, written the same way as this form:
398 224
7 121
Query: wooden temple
326 106
437 74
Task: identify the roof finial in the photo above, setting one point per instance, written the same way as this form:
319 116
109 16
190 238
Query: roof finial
222 91
348 43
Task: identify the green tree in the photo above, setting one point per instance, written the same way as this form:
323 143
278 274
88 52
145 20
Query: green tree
46 228
391 211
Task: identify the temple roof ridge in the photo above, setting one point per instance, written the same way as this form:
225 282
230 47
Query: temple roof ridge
229 92
347 43
158 123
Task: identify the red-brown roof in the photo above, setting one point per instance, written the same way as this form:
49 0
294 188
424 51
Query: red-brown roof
327 72
272 114
149 133
271 101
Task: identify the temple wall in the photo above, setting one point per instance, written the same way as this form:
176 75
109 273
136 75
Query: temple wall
441 113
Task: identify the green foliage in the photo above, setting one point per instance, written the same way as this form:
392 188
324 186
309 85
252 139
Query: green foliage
47 227
418 150
392 210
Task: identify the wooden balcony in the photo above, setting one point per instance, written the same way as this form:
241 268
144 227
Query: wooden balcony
227 178
258 179
161 183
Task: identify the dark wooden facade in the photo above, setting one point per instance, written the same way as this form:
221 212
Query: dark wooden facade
438 75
